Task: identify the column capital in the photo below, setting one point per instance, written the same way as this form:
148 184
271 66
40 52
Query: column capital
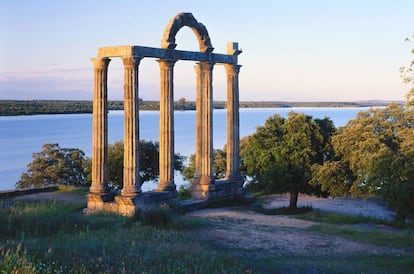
100 63
131 61
166 63
232 69
204 66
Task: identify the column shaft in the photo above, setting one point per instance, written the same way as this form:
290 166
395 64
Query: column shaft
233 142
100 127
166 161
131 180
204 123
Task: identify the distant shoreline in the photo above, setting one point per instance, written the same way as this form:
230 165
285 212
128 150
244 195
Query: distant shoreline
36 107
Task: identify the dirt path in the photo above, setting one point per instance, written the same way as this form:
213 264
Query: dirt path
252 234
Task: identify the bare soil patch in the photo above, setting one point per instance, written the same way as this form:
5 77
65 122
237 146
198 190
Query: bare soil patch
253 234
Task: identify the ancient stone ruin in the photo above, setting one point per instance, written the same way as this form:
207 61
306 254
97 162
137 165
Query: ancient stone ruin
204 188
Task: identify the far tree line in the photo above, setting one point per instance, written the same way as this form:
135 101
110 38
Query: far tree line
34 107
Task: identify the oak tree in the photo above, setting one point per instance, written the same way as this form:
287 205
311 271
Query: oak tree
56 165
279 155
219 165
374 155
148 162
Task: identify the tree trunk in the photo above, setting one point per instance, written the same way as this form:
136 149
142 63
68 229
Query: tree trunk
400 216
293 199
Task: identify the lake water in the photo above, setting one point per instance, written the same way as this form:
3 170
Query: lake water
21 136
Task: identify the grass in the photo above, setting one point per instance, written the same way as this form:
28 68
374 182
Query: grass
164 217
73 189
335 218
340 225
330 264
14 261
404 239
57 238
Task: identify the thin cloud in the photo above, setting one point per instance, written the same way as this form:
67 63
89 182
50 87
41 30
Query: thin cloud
46 72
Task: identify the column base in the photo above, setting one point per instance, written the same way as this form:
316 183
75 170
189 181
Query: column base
99 190
130 206
202 192
131 191
220 190
206 180
97 201
167 186
235 179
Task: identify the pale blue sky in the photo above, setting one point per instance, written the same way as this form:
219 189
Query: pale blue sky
292 50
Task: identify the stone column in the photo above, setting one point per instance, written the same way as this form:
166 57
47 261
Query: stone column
204 123
131 181
166 161
100 127
233 142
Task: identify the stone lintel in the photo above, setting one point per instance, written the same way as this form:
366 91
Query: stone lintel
170 54
116 51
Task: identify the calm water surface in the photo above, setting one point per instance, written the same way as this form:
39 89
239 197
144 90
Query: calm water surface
21 136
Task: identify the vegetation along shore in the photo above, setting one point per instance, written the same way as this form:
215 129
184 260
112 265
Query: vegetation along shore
34 107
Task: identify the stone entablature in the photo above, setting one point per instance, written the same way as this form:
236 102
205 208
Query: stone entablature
204 187
172 54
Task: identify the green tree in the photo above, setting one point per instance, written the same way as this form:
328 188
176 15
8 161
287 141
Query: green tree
407 74
279 155
149 162
374 155
55 165
219 165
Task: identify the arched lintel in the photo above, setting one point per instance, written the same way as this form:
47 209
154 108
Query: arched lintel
181 20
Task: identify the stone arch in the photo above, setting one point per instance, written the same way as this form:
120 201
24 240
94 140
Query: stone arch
181 20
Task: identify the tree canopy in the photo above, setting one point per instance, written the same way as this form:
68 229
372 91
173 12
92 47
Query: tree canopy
407 74
219 165
279 155
69 166
149 162
374 155
56 165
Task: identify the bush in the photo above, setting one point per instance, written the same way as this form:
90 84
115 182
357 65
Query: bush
184 192
155 216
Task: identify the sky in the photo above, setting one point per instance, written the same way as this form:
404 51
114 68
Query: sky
296 50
